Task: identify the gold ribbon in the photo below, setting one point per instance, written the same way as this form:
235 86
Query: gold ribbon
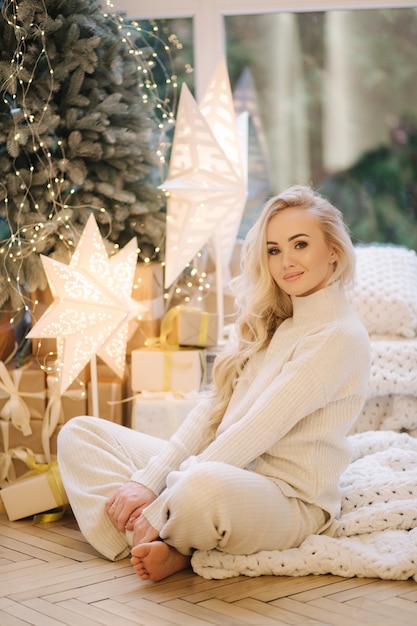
55 485
169 364
168 326
204 328
16 409
162 344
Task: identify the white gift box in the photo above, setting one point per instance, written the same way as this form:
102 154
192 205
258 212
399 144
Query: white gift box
35 494
178 370
161 414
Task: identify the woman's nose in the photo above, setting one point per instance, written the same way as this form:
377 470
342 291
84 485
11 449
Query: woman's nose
287 259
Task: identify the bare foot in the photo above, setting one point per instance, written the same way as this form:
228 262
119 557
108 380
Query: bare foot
157 560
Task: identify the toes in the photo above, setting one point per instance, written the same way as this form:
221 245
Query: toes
142 573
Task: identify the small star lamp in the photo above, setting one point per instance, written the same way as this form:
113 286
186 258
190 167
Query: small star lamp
91 307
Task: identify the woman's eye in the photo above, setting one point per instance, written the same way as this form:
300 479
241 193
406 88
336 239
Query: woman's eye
273 251
301 244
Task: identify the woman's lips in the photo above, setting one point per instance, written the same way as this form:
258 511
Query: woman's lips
293 276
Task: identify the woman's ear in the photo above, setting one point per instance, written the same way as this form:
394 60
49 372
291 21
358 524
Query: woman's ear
334 255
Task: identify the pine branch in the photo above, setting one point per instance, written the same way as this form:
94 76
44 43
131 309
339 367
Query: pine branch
76 119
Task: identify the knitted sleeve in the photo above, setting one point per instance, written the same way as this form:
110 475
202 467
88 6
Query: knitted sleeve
323 369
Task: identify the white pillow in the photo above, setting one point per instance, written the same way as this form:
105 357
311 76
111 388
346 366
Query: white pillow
385 292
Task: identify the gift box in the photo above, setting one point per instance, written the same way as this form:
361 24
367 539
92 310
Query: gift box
161 413
37 493
62 407
190 326
139 331
22 394
168 369
148 292
39 443
111 392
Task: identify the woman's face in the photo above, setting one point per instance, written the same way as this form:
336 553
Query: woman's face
300 260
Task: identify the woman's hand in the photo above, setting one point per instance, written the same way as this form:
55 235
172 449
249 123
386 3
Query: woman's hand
127 503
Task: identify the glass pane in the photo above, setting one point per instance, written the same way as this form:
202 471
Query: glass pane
168 44
332 97
166 51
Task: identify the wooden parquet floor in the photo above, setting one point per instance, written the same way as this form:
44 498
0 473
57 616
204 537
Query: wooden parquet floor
49 576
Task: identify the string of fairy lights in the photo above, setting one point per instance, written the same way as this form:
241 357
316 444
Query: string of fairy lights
29 128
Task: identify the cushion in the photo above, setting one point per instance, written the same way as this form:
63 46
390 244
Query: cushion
384 295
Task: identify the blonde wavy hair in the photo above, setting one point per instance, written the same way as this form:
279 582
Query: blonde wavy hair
260 304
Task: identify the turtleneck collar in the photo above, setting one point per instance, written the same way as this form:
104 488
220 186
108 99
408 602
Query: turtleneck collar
324 304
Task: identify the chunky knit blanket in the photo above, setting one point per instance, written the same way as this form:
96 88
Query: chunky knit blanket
376 534
393 366
392 389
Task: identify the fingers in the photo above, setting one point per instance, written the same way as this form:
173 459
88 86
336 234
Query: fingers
118 513
121 514
125 506
111 505
132 519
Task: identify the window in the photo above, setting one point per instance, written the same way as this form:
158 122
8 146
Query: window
332 98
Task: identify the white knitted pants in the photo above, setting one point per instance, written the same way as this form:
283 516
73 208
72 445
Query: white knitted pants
211 505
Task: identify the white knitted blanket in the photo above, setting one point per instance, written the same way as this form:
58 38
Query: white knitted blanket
393 366
392 389
376 534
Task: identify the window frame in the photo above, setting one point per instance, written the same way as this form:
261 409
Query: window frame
208 23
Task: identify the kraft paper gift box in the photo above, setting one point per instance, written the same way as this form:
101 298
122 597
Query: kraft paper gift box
161 413
157 369
39 442
148 292
62 407
190 326
37 493
110 395
22 394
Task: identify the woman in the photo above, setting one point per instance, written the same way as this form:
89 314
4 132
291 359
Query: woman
256 465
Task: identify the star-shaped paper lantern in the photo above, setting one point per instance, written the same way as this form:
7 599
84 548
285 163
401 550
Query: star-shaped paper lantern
259 185
207 180
92 305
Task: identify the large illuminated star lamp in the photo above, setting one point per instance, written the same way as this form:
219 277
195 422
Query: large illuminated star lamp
207 177
91 308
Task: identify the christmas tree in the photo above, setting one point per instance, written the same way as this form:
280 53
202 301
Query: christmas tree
78 115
